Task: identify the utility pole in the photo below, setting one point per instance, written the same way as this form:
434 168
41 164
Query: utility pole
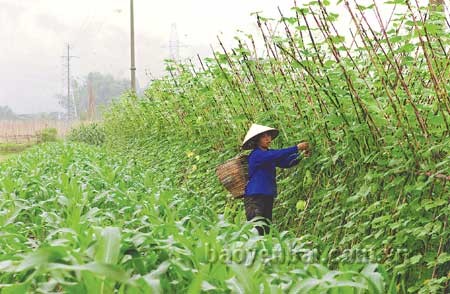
91 100
133 65
68 57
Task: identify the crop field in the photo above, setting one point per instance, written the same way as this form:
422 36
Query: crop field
132 204
77 220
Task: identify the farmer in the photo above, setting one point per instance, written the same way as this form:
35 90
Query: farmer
261 188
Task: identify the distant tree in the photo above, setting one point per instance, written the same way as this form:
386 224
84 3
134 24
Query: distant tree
7 113
105 89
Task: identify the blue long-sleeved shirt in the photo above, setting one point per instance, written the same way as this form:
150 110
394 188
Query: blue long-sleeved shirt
261 169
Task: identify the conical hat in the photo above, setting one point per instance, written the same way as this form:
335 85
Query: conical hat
255 130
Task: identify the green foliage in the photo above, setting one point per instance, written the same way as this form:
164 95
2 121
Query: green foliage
374 113
46 135
9 150
79 220
92 133
14 147
6 155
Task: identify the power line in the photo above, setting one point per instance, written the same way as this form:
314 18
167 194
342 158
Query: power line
174 43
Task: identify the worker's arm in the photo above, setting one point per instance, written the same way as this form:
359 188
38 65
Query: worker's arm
289 161
263 157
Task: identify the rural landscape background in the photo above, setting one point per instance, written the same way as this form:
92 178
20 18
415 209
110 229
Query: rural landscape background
116 192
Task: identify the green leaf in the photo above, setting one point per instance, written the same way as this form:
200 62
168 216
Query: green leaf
104 270
375 280
432 203
108 245
415 259
443 258
301 204
153 279
41 257
16 289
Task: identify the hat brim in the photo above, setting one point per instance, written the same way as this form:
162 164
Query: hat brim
251 144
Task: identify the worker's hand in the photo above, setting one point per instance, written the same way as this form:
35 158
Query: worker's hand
303 146
307 153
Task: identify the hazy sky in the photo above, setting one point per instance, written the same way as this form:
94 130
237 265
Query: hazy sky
34 33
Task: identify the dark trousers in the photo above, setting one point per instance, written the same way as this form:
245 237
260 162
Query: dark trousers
259 205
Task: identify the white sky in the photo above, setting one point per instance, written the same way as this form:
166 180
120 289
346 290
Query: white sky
34 33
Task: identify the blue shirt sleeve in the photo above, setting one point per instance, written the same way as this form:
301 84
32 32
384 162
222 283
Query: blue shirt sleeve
289 161
263 157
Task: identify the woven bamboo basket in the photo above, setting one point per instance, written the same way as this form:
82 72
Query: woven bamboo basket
233 174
